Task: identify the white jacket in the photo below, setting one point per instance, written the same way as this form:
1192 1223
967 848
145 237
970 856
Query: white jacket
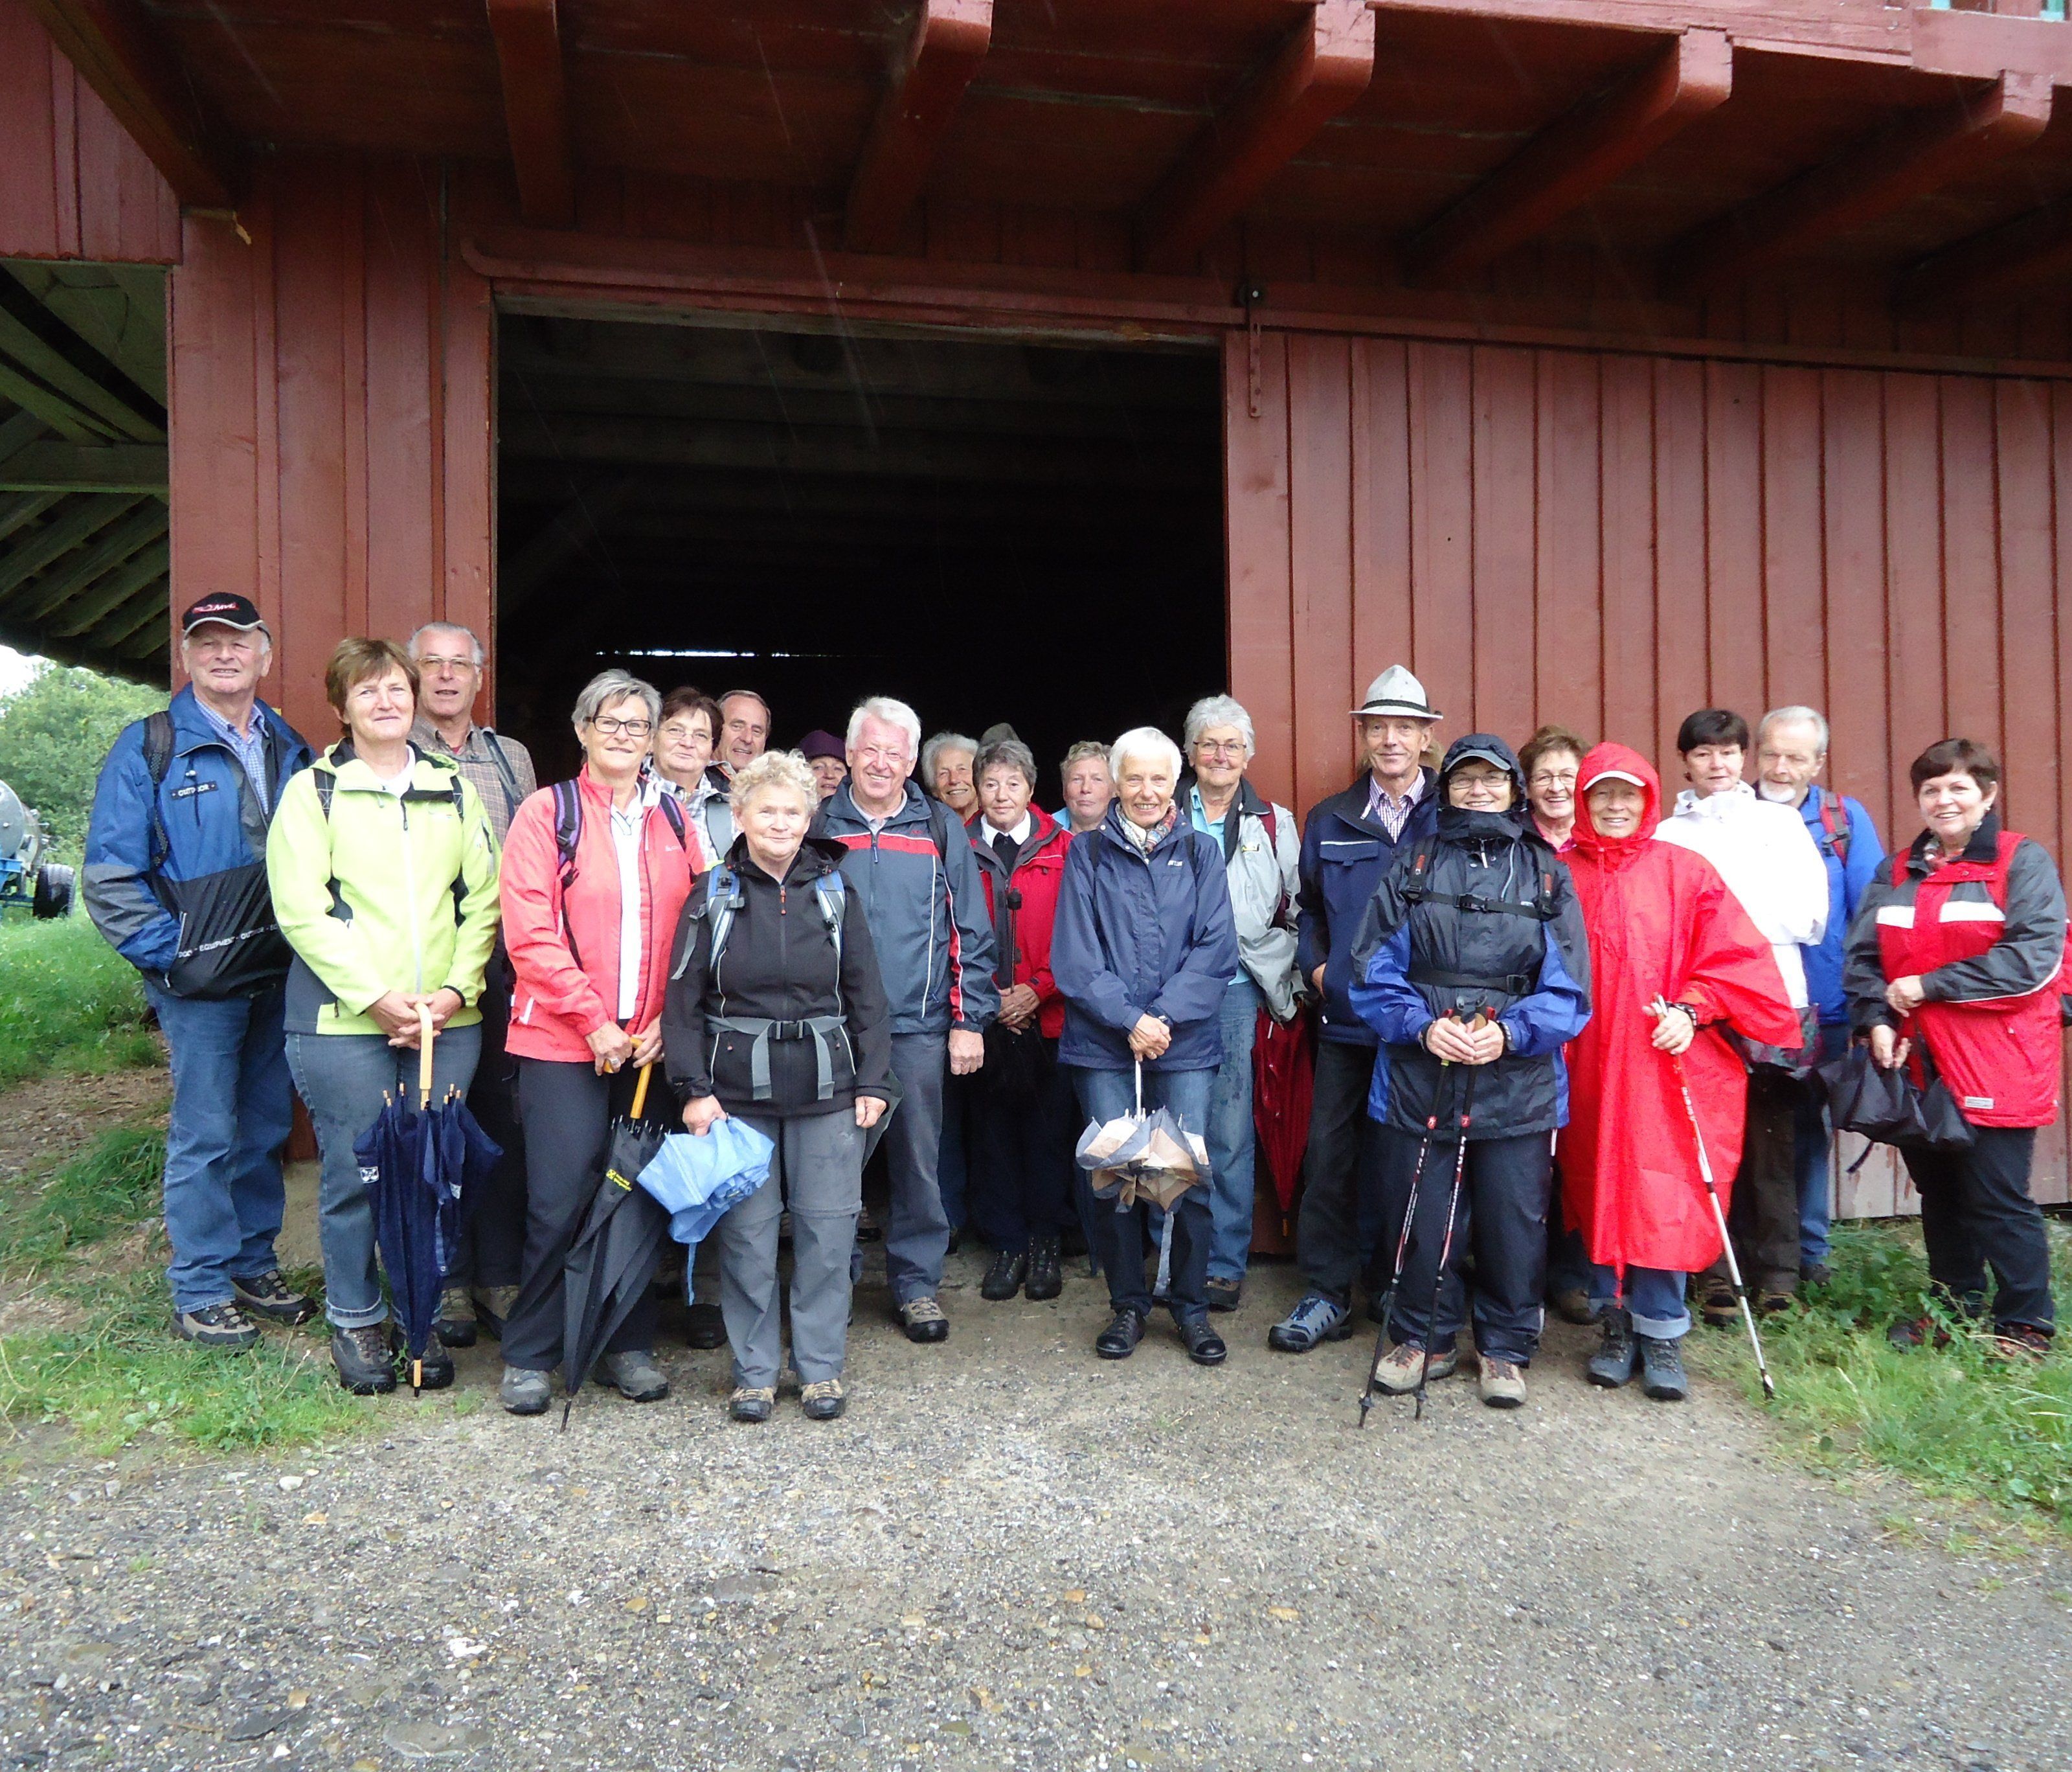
1769 862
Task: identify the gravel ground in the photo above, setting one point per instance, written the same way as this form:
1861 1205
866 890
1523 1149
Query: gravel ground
1010 1554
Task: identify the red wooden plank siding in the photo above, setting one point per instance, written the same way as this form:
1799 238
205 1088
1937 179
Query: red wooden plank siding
1256 517
1381 445
1320 546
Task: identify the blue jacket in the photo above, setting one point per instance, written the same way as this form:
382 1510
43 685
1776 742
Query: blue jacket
1343 858
918 884
1140 934
1846 883
187 905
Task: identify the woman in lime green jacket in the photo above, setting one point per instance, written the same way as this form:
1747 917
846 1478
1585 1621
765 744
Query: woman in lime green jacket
383 868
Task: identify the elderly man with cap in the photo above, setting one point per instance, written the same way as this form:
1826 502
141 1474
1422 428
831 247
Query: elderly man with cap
176 881
1348 842
824 755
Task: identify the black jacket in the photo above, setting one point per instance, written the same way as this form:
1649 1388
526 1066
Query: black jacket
778 964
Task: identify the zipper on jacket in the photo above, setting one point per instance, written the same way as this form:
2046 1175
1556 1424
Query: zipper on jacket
410 891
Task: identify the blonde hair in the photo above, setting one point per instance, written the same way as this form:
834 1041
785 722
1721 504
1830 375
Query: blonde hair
773 769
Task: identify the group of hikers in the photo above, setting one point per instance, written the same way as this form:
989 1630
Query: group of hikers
1547 1012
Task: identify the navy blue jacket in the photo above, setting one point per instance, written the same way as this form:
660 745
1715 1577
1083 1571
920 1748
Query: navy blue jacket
194 916
1140 934
1344 856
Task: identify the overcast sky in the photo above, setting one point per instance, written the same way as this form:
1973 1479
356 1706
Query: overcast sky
15 669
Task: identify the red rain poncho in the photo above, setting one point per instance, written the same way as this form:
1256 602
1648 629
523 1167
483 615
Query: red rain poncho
1661 922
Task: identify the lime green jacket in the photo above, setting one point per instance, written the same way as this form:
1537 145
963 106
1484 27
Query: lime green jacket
383 893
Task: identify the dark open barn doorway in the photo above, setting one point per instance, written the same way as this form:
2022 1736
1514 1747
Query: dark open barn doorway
989 529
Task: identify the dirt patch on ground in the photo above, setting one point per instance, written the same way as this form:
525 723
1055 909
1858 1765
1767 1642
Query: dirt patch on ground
43 1122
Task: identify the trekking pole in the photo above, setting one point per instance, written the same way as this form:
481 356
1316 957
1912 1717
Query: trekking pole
1452 1213
1658 1007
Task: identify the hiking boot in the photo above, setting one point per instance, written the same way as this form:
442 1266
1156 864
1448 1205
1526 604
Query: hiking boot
1617 1357
1816 1273
1502 1383
267 1295
1400 1370
867 1228
922 1319
1718 1305
1119 1340
216 1325
492 1307
1910 1332
1003 1280
1047 1275
1316 1318
1223 1294
1662 1368
456 1319
524 1392
1204 1347
752 1402
1772 1300
823 1400
634 1376
707 1328
434 1371
1574 1305
366 1366
2021 1342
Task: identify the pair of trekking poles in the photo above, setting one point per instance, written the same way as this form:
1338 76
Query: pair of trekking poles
1474 1021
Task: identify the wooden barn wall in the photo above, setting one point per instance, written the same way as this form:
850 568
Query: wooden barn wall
73 183
331 393
1610 541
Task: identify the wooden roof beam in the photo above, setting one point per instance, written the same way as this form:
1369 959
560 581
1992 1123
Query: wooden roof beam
2032 250
1573 159
536 109
86 467
118 53
949 40
1322 67
1918 155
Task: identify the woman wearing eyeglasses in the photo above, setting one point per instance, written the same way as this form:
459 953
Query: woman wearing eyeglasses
595 873
1551 758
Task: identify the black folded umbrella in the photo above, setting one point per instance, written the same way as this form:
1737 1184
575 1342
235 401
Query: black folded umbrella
1863 1098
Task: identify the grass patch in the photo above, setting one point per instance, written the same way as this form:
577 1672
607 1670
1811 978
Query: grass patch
1957 1420
68 1002
110 1187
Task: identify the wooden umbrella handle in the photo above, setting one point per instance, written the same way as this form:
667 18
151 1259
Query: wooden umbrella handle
426 1034
640 1090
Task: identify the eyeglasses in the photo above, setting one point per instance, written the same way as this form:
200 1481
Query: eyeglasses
1545 780
611 728
438 664
686 735
1233 747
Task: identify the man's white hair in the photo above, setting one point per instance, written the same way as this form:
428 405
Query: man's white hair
1219 710
473 644
1793 717
1147 742
893 713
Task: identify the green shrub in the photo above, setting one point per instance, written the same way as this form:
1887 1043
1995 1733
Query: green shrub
68 1002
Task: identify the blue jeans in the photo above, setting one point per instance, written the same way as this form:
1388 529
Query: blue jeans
1813 1154
1654 1295
341 1078
232 1109
1232 1137
1121 1238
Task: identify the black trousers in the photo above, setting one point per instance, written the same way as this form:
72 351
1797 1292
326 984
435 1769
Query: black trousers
567 1109
1976 1213
1021 1180
492 1243
1342 1164
1763 1215
1500 1218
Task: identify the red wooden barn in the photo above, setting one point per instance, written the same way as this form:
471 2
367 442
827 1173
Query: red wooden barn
1059 361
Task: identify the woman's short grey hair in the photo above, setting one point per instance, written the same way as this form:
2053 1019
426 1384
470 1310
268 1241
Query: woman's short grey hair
1080 752
608 686
1219 710
777 769
935 748
1007 754
1791 716
1147 742
893 713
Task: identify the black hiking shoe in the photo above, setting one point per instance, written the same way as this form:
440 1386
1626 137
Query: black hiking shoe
634 1376
366 1366
524 1391
1204 1347
922 1319
707 1329
1662 1368
1910 1332
824 1400
434 1372
1119 1340
216 1325
267 1295
1046 1275
1223 1294
1719 1307
1003 1280
1616 1358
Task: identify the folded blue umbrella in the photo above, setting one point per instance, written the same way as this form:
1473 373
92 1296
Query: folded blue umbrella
697 1176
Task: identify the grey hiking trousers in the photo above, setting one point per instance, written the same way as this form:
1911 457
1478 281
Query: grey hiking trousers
818 1171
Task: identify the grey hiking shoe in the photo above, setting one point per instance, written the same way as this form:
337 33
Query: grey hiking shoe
1616 1358
1502 1383
216 1325
525 1392
752 1402
1662 1368
922 1319
1400 1370
366 1366
1315 1318
267 1295
634 1376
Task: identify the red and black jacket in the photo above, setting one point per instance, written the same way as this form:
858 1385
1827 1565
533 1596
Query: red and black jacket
1023 902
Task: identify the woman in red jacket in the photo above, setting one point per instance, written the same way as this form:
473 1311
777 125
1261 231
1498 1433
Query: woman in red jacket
1022 1129
1956 961
595 873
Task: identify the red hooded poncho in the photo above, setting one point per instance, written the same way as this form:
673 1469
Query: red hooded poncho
1661 922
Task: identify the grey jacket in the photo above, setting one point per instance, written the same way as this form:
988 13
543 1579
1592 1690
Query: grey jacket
1262 869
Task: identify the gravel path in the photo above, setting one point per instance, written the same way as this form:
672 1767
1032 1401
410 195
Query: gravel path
1012 1555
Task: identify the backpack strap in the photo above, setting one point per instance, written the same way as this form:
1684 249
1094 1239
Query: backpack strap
672 810
506 775
158 759
939 828
1834 821
832 894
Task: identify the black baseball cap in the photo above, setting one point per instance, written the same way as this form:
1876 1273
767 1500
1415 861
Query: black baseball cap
226 606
